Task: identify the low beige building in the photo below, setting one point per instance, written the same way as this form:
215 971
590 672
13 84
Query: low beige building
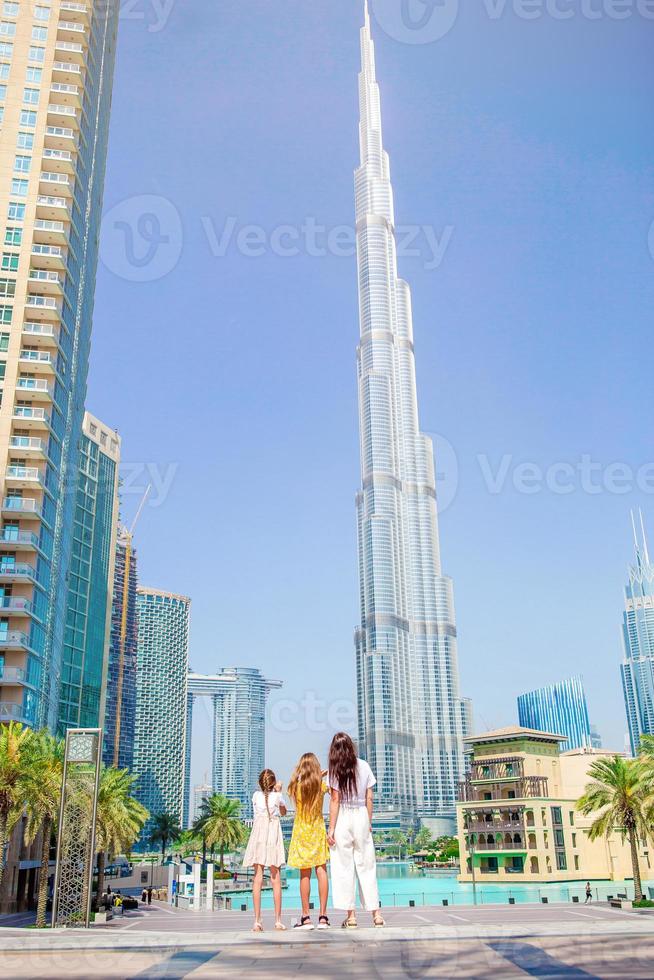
516 817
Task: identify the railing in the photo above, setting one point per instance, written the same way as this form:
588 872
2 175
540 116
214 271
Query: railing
20 569
51 177
62 131
13 638
43 329
45 275
12 535
510 767
26 442
33 384
10 711
23 472
39 356
52 154
70 25
12 675
500 846
15 604
69 46
528 787
67 66
62 110
492 827
48 224
44 301
47 200
22 505
64 88
25 412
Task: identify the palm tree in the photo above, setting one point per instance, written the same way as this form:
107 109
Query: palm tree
423 839
42 803
16 743
120 818
618 797
220 824
401 840
165 828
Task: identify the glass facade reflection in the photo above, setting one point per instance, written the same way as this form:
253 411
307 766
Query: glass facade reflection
638 641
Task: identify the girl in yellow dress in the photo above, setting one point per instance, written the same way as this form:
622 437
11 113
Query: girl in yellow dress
309 849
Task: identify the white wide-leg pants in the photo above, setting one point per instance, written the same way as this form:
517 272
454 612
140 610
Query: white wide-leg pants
354 857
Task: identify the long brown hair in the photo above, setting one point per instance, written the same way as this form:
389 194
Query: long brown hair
305 787
267 782
343 765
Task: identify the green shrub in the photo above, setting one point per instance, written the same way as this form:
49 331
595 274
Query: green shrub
645 903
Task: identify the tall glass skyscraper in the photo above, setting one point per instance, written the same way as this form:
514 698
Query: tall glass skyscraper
410 711
638 640
56 72
120 713
560 709
161 690
90 580
239 696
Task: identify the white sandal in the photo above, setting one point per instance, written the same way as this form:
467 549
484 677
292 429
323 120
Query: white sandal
257 927
280 927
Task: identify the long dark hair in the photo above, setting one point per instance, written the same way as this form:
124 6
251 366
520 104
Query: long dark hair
343 765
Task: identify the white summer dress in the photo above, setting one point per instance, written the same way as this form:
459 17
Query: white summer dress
266 843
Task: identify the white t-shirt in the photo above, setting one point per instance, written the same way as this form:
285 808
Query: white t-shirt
275 800
365 781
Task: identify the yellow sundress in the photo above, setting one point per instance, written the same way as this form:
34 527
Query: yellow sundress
309 848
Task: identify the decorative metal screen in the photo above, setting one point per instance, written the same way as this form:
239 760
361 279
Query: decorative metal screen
76 839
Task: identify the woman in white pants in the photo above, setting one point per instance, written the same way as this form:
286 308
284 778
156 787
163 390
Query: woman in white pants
350 783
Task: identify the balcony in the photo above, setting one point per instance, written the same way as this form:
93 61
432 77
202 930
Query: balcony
50 282
15 606
12 712
52 208
71 30
12 675
495 846
43 307
526 787
62 115
40 334
75 11
67 71
21 507
49 257
60 137
31 418
14 640
23 477
42 360
61 161
50 180
492 827
36 388
50 232
17 572
72 51
509 768
20 540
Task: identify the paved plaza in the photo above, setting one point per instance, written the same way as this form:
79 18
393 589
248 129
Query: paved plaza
551 942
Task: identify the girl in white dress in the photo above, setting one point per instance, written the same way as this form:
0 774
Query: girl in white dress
266 844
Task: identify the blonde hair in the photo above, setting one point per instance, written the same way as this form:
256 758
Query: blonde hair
305 787
267 782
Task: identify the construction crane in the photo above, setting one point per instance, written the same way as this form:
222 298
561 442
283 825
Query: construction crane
127 578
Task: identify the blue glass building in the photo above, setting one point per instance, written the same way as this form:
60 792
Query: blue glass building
90 579
58 59
559 708
638 640
120 713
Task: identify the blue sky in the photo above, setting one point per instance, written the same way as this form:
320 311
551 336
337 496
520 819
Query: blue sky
526 146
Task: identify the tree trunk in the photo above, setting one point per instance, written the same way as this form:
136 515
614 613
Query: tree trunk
4 838
98 894
222 858
638 888
44 873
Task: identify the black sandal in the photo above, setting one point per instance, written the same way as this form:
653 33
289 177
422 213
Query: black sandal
323 922
304 923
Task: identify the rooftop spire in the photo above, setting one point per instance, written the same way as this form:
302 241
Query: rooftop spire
366 14
645 548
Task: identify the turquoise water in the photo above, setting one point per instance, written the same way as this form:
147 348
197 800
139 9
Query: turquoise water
401 883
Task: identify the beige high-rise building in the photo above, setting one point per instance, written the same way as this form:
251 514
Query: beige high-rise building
516 813
56 72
